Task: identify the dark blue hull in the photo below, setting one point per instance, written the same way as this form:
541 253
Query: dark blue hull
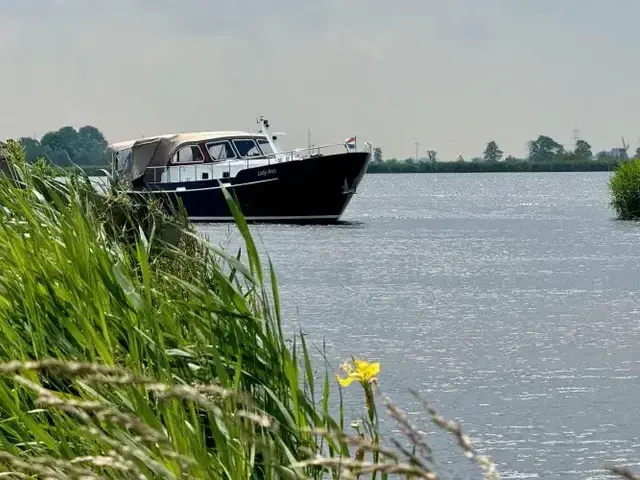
313 190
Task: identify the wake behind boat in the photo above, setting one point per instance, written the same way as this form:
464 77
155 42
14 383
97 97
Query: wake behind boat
309 185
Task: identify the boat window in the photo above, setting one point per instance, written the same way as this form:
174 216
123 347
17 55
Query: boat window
247 148
265 147
123 160
220 151
188 154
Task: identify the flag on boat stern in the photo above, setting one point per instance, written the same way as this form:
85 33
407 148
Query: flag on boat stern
350 143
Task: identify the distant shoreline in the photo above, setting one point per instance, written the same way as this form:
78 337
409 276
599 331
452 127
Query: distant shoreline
490 167
87 148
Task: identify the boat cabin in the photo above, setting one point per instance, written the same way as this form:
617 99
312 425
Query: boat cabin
188 157
192 156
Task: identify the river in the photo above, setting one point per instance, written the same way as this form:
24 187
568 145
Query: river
509 301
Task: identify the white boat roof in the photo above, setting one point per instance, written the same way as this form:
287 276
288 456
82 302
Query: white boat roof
185 137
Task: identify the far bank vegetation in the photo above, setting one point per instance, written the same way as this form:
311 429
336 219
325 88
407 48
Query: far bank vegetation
86 148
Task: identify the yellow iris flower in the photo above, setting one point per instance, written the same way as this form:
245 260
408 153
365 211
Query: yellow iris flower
362 371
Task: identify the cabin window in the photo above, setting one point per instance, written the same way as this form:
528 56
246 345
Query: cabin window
188 154
123 160
247 148
265 147
220 151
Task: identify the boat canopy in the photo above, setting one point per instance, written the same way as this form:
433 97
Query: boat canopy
139 155
153 152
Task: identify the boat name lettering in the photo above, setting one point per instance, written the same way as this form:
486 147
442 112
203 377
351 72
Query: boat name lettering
267 171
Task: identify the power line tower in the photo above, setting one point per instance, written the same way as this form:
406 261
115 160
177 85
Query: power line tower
576 136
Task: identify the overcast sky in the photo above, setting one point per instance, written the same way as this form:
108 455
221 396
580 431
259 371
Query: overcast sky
450 74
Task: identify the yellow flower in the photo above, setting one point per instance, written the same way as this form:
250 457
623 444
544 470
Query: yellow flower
363 371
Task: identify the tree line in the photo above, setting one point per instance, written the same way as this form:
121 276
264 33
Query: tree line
545 154
87 148
68 147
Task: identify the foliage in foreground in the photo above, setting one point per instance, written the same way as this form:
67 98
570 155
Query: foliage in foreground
624 187
134 349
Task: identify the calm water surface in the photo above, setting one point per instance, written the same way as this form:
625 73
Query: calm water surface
509 301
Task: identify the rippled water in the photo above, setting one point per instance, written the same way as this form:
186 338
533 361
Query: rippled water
510 301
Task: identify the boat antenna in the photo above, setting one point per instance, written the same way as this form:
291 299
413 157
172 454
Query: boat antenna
264 129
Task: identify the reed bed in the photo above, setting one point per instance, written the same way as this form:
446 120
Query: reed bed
624 190
133 348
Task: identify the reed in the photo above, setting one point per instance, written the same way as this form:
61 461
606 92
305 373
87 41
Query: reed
116 282
624 188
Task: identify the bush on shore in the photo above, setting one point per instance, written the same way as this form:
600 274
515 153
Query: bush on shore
624 187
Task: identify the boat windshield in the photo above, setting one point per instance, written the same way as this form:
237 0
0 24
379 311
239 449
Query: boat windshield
247 147
265 147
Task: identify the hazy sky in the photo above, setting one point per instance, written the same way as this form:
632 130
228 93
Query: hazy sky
450 74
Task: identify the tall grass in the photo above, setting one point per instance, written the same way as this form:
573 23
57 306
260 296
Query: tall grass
132 348
624 187
112 282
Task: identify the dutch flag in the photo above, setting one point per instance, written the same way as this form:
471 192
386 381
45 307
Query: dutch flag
350 143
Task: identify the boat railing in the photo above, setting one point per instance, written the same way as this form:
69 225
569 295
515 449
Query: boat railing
196 171
315 151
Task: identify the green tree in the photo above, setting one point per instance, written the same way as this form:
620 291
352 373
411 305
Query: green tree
90 137
432 155
64 139
410 165
33 149
377 154
566 157
604 156
66 146
583 150
544 149
492 153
